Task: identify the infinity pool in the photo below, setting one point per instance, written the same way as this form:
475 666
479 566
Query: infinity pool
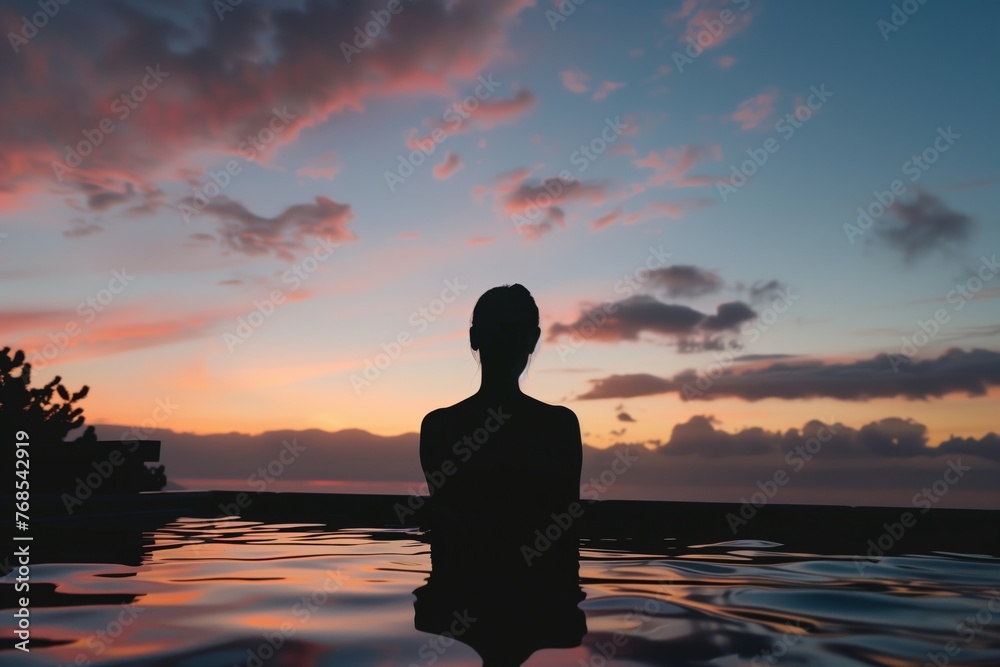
220 592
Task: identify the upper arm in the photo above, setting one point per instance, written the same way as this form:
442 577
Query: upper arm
574 449
429 435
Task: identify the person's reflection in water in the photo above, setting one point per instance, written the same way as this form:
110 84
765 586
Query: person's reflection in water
504 476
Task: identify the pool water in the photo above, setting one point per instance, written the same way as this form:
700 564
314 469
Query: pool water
220 592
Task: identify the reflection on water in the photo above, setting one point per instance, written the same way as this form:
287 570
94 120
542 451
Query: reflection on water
231 592
503 605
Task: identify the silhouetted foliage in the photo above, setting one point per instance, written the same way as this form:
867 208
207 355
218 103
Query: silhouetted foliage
38 410
49 413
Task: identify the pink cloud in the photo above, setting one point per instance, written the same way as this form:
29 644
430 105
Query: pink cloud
606 220
605 89
554 217
251 234
574 81
122 329
674 210
725 62
448 166
673 165
631 127
661 71
553 191
534 206
35 319
320 167
204 96
460 118
707 19
481 240
754 111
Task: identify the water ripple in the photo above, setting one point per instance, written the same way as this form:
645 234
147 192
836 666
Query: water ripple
221 591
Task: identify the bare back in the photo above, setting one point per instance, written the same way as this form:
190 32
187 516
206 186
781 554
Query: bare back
506 463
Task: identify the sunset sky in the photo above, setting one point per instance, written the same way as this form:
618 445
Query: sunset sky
590 153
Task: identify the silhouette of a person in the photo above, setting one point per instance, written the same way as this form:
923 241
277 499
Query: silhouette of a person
503 471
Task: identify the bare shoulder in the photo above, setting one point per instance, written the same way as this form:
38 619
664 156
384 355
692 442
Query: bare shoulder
557 412
435 425
433 417
442 414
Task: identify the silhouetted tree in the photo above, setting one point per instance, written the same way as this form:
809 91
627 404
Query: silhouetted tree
48 413
38 410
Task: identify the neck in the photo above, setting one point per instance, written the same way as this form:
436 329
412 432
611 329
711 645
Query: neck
499 382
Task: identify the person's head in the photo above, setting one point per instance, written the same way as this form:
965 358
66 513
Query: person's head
505 327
